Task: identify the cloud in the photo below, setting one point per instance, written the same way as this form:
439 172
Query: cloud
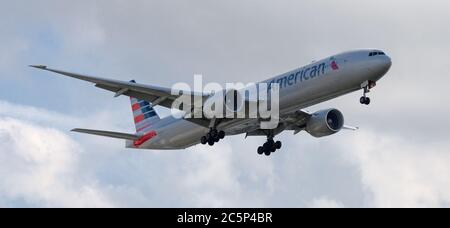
324 203
403 173
41 165
44 166
39 115
39 168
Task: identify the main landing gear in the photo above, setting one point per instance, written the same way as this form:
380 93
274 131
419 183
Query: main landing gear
213 136
366 87
270 146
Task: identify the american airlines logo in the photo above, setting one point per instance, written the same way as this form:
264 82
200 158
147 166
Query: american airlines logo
235 101
334 65
303 74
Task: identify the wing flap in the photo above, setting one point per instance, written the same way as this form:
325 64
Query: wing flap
296 121
293 121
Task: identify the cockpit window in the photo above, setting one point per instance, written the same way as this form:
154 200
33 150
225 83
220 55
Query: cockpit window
376 53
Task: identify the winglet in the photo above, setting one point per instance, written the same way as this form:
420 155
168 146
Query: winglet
42 67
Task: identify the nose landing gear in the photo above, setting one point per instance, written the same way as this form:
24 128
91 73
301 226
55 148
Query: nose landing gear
367 86
365 100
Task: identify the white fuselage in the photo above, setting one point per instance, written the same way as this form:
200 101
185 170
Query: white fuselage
303 87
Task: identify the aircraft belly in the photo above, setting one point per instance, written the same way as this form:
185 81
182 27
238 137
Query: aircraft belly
179 135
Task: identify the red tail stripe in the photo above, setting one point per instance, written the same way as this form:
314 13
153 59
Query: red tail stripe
145 138
139 118
135 107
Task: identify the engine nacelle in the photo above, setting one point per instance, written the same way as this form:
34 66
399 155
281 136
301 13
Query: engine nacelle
324 123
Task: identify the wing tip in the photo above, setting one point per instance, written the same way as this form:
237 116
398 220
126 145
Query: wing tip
42 67
79 130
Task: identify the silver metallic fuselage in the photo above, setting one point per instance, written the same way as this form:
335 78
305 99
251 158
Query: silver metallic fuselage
352 69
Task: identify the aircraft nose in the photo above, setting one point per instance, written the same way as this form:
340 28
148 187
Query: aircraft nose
382 65
387 63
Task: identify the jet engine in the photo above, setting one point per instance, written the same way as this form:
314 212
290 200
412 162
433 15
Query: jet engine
324 123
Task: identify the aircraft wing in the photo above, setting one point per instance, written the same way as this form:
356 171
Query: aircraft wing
156 95
294 121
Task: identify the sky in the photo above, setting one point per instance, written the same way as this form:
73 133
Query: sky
400 157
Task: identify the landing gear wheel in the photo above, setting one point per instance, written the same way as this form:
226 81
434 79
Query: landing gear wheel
267 147
362 100
221 134
273 148
278 145
260 150
212 137
365 100
270 146
214 133
366 86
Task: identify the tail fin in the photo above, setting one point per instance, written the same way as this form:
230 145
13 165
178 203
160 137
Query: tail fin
144 115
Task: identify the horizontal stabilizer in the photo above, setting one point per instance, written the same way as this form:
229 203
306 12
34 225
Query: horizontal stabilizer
110 134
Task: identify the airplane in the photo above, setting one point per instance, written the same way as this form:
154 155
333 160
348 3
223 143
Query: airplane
301 88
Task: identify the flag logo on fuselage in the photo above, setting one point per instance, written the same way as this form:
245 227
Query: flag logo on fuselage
334 65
